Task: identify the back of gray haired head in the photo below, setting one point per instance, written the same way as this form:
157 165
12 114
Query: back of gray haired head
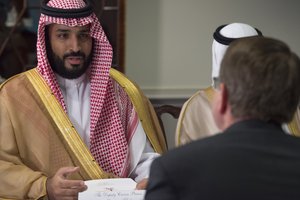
262 78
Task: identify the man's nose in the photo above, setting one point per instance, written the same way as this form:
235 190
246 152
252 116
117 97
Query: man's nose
74 44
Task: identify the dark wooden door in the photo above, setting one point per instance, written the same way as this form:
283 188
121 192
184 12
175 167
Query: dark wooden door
112 17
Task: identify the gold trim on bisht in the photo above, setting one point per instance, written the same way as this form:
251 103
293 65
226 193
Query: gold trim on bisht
293 126
209 93
144 110
78 151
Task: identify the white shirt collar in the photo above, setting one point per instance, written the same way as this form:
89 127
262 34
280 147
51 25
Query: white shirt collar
69 83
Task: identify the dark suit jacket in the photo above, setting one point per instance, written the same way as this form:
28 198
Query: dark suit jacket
250 160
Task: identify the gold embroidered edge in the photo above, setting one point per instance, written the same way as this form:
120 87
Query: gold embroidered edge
294 127
67 132
138 101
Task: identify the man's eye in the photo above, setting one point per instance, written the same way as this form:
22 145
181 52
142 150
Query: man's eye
84 36
62 35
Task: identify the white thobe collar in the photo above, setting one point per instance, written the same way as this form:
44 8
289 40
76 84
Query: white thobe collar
76 93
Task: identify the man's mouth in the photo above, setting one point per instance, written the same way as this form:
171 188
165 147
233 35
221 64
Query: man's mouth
74 60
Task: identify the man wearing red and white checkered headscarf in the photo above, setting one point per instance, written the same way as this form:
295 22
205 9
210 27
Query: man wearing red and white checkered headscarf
41 149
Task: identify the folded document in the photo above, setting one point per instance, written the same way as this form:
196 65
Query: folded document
112 189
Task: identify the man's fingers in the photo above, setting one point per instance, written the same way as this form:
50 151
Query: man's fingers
74 184
66 171
60 187
142 184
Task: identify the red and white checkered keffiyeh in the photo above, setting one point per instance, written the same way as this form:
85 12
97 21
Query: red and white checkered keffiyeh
109 142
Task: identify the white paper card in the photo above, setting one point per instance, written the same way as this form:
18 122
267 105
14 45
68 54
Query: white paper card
112 189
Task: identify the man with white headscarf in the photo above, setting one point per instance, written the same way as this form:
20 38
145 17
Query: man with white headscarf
196 120
72 118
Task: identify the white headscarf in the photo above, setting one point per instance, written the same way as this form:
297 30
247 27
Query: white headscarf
233 30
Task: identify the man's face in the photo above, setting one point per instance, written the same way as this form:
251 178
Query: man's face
70 49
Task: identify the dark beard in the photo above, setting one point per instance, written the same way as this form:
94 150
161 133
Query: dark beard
58 66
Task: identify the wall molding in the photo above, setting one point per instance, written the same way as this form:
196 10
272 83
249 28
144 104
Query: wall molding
169 93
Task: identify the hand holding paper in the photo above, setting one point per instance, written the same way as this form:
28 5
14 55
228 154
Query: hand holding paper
112 189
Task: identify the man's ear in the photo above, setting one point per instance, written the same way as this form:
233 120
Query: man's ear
223 98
